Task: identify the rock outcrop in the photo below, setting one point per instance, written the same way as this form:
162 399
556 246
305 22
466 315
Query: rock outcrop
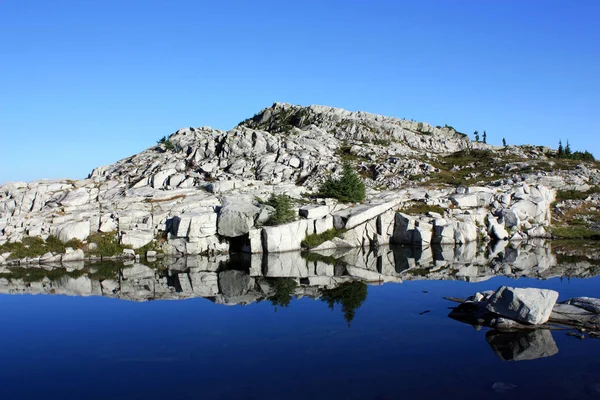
200 188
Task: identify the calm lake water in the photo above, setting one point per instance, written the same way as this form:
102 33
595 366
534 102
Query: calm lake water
348 325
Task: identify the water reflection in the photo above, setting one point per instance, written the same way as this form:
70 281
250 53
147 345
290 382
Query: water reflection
522 345
335 277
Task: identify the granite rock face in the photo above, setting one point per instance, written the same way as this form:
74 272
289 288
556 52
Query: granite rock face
200 189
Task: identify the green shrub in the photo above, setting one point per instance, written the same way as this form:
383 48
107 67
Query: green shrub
284 212
107 244
313 240
31 247
167 143
349 188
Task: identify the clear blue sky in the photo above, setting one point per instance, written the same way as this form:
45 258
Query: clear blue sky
84 83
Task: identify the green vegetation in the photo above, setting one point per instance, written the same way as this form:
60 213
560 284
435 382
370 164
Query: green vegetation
31 247
381 142
107 244
457 168
313 240
284 212
566 152
154 245
350 295
167 143
574 232
421 208
562 195
348 189
575 222
284 289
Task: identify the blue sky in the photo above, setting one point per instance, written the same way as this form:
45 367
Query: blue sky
85 83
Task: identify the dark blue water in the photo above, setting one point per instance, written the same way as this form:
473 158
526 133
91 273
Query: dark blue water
67 347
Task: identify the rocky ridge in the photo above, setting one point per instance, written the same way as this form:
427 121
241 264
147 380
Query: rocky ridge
198 190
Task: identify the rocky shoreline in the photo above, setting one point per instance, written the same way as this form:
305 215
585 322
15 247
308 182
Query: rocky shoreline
202 191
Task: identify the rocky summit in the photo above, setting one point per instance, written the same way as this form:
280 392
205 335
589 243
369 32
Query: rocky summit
202 190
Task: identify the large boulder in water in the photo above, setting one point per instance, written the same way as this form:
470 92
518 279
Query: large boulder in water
529 305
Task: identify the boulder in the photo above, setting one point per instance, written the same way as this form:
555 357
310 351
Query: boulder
314 211
136 239
200 224
529 305
73 230
471 200
511 219
236 218
77 197
286 237
411 231
496 230
587 303
73 255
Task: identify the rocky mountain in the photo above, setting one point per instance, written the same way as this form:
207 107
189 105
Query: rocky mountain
199 190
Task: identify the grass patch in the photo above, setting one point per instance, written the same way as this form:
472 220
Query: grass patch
313 240
563 195
421 208
574 232
31 247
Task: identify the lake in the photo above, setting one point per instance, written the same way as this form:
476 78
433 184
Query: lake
347 325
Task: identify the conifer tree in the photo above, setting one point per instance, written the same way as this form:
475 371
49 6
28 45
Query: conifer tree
484 137
504 142
476 133
561 151
568 149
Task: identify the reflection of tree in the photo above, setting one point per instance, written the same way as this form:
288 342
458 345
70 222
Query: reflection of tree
350 295
284 288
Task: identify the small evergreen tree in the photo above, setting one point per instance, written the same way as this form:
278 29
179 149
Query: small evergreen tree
561 151
476 133
568 149
284 212
348 189
504 142
484 137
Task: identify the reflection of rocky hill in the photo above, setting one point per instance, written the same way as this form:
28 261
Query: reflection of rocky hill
277 277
